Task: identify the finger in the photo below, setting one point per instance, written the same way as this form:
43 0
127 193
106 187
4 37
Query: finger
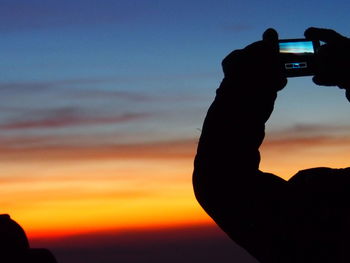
325 35
347 93
323 81
282 84
344 85
270 35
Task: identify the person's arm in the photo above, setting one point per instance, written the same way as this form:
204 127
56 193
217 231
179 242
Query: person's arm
227 181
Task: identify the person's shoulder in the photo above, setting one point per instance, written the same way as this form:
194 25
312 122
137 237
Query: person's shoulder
321 179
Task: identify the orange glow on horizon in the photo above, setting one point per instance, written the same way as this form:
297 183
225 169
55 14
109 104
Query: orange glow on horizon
58 196
55 198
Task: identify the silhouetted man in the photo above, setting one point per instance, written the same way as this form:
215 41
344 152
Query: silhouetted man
303 220
14 245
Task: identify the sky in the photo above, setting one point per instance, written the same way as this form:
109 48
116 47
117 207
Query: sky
101 106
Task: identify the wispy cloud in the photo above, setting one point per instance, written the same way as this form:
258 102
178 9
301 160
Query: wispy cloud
95 87
65 86
302 142
311 129
309 135
176 149
15 87
33 148
67 117
109 79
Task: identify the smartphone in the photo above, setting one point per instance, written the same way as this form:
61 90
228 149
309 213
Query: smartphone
298 56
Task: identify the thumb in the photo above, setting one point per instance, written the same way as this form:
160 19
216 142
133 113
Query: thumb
326 35
347 93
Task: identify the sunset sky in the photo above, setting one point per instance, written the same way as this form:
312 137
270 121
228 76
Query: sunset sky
102 104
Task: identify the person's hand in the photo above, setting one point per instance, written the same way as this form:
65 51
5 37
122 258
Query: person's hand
332 67
257 67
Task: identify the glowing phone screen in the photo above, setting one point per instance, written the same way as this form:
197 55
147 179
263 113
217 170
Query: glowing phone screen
300 47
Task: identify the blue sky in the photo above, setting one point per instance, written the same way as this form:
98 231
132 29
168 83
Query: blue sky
127 72
160 59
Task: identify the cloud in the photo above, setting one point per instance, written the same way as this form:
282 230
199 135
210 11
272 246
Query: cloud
121 145
65 86
92 87
301 142
108 79
117 146
309 135
176 149
17 87
311 129
104 94
67 117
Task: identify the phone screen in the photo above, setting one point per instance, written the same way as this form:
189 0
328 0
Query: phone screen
304 47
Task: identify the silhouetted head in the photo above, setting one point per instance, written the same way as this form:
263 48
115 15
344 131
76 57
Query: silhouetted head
12 236
14 245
